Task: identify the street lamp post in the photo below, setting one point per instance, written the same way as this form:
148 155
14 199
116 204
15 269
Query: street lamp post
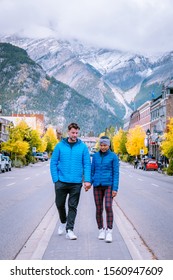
148 133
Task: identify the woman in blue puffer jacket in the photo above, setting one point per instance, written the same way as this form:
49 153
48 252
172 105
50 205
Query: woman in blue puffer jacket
105 180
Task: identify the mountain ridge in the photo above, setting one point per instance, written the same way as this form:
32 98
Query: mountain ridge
115 81
26 88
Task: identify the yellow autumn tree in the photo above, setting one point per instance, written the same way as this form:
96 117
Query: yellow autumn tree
20 148
119 142
50 138
135 141
167 143
20 132
18 140
35 139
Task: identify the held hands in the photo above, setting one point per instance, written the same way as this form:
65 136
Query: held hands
114 193
87 186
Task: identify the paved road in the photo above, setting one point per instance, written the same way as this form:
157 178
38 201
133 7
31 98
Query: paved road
146 199
26 195
87 246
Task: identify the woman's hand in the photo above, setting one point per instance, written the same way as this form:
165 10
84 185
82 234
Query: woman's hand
114 193
87 186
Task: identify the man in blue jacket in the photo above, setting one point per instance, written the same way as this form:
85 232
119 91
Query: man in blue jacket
70 166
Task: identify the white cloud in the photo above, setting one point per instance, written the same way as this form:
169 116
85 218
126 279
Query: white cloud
138 25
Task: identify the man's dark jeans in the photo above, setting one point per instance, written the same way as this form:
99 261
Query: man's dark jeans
62 190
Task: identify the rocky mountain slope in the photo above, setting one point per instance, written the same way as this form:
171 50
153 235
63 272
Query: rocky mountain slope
110 78
26 88
116 82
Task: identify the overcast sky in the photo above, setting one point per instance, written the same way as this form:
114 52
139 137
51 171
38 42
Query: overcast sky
144 26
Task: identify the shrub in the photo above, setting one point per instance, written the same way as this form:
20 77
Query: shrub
126 158
18 163
170 168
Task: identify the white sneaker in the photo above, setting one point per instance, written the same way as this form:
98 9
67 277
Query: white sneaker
101 235
61 228
108 235
70 235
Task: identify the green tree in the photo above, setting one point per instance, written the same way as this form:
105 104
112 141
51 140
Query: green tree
110 132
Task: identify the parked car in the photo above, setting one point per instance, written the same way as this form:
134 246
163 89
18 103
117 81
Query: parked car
2 164
39 156
8 163
45 155
92 151
152 165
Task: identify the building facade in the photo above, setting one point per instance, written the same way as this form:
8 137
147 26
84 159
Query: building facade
4 125
35 121
154 116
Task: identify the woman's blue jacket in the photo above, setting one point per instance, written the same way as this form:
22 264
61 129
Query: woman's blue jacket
105 170
70 164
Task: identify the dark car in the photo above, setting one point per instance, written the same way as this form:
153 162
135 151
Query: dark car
152 165
45 155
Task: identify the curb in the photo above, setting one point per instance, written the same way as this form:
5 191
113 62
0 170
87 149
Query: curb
36 245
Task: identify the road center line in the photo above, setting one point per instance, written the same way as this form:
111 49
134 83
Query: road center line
140 179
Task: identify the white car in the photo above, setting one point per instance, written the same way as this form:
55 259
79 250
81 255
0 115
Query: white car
39 156
2 164
7 163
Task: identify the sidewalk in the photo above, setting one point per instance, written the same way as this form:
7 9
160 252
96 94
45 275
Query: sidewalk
46 244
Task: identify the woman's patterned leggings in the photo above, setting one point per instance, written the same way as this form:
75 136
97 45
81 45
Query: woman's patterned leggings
101 193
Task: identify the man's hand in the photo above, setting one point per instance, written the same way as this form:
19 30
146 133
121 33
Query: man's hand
87 186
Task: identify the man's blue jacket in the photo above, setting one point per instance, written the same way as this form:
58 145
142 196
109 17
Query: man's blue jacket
105 170
70 164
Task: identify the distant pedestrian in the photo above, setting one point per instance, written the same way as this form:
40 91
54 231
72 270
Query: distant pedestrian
145 163
70 165
105 180
136 163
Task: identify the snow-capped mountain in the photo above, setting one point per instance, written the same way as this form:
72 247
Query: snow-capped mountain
26 88
111 79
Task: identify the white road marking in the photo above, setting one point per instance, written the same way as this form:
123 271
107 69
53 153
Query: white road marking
11 184
27 178
155 185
